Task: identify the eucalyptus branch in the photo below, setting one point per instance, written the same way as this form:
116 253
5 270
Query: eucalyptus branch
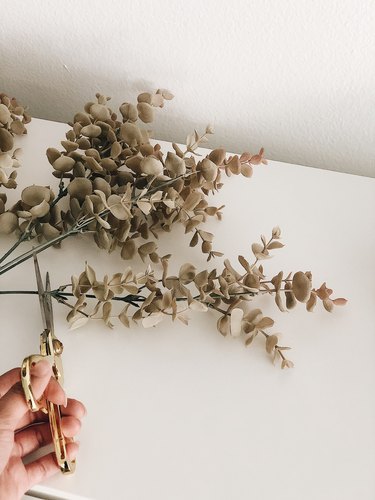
114 175
63 191
79 227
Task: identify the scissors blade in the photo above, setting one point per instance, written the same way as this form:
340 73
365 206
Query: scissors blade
41 293
48 303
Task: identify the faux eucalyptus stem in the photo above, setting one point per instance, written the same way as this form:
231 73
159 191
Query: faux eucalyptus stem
63 191
122 191
76 229
28 255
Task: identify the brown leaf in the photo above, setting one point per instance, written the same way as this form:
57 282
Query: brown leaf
328 305
271 342
339 302
289 296
236 322
128 249
192 200
275 244
311 303
301 286
286 363
223 325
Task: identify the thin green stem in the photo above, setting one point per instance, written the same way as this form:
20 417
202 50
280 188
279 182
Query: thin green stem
27 255
63 191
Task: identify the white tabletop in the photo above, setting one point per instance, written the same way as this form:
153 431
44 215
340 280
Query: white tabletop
182 413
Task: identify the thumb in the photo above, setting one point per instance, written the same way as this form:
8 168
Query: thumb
13 404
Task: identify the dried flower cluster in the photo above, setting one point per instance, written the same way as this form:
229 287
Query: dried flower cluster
13 118
124 191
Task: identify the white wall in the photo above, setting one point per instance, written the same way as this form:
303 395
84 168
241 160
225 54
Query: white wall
294 76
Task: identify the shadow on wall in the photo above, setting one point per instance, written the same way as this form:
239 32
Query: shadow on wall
59 97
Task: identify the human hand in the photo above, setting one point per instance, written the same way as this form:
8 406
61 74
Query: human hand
23 432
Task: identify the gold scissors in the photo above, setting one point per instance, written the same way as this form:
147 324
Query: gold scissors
50 349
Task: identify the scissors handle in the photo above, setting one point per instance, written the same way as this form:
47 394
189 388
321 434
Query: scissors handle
53 410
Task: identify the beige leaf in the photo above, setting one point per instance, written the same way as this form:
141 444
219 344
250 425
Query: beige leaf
209 170
217 156
183 317
178 150
40 210
52 155
275 244
5 160
102 222
129 111
192 200
265 322
63 164
151 166
250 339
246 170
8 222
145 97
91 131
311 303
6 140
279 302
17 127
119 210
301 286
49 232
328 305
4 114
234 165
78 321
147 248
286 363
244 263
271 342
100 112
33 195
290 299
144 205
123 317
236 321
128 249
107 308
223 325
79 188
165 93
145 112
175 165
257 248
90 274
206 236
187 273
339 301
116 149
196 305
152 320
131 134
252 281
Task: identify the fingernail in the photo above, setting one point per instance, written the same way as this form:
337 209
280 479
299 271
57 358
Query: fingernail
65 400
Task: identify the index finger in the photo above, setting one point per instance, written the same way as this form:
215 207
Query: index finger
13 404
